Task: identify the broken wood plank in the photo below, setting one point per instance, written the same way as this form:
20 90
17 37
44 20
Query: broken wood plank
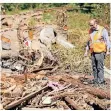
37 70
23 58
52 92
53 70
65 106
92 90
61 95
98 92
72 103
15 103
91 100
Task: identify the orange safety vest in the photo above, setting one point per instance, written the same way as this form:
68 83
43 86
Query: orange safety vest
96 43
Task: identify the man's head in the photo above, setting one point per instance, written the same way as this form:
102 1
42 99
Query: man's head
93 24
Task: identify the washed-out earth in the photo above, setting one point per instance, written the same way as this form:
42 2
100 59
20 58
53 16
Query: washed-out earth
43 64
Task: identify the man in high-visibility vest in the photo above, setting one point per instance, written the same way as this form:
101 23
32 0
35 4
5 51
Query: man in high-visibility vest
99 46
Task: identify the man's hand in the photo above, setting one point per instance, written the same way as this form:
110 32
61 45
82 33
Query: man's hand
108 53
86 54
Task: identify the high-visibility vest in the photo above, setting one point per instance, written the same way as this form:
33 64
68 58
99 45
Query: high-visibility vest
97 43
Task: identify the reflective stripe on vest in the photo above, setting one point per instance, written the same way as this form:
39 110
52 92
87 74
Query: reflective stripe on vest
97 43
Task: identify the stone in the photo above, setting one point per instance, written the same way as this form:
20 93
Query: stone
47 36
46 100
18 91
1 107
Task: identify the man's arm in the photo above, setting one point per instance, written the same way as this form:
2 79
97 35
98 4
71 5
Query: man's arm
106 38
87 49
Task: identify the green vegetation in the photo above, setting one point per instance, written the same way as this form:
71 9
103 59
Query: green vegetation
32 22
49 17
74 59
78 16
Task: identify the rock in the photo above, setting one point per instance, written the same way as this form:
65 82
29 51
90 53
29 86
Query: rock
76 76
42 72
65 43
47 36
40 76
8 21
1 106
18 91
46 100
86 83
6 64
107 72
6 46
34 89
85 96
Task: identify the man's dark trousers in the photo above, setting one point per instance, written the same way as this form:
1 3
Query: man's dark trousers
98 66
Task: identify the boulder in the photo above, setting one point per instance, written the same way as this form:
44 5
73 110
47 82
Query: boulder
47 36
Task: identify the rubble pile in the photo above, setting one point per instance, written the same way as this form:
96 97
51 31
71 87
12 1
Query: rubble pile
43 91
30 77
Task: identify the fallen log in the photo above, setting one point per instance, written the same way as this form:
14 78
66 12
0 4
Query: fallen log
98 92
16 103
92 90
53 70
61 95
92 101
72 103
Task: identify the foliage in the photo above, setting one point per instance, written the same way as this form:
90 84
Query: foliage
32 22
78 29
73 59
102 13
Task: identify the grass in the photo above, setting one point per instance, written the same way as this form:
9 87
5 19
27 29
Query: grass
49 18
77 35
74 59
78 28
32 22
78 31
78 20
17 11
